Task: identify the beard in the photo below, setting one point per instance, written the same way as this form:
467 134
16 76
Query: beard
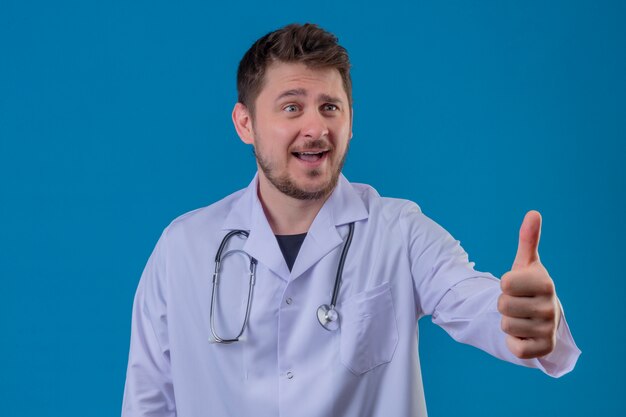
285 184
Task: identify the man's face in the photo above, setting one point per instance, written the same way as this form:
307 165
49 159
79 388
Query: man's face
301 129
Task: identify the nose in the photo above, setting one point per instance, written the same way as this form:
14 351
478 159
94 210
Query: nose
314 125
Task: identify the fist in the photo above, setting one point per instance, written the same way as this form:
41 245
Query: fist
528 304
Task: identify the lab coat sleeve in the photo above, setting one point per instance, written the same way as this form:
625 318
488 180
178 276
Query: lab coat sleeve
149 390
463 301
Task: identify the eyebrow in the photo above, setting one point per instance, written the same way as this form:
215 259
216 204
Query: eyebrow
301 92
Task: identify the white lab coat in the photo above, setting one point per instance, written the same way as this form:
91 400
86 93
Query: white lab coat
400 267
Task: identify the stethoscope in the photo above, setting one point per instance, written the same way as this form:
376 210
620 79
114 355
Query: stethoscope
327 315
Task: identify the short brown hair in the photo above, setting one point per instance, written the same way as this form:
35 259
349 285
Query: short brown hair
308 44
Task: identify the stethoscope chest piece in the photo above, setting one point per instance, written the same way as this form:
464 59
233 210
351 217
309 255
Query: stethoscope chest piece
328 317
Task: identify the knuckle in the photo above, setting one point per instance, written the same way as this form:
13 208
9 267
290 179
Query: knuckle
505 325
513 346
502 303
547 287
521 352
517 347
526 352
505 283
541 310
545 330
530 348
538 310
546 311
544 349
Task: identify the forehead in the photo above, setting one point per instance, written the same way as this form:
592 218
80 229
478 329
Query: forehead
282 76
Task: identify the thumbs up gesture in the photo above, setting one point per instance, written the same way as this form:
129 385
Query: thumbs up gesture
528 303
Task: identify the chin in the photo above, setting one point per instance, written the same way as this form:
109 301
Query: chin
315 182
307 189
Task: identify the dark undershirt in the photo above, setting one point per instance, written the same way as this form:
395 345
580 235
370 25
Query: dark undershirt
290 246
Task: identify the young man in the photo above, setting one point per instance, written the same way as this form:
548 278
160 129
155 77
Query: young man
340 275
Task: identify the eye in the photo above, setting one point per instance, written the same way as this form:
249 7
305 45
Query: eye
330 107
290 108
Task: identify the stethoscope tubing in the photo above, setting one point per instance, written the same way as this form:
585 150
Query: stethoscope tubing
342 260
327 320
218 260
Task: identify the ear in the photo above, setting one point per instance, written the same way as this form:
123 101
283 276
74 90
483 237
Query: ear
351 120
243 123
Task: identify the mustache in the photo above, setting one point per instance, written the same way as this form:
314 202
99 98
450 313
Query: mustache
315 144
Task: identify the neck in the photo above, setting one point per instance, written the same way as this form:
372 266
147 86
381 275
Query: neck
287 215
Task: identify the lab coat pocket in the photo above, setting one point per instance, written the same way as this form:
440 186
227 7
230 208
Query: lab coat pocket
369 333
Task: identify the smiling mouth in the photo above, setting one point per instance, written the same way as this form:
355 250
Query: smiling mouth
310 156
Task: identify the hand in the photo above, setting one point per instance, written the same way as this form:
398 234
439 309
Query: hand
528 303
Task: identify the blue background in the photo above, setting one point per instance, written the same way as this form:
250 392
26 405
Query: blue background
115 118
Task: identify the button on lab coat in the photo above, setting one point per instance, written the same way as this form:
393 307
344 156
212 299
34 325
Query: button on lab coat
400 267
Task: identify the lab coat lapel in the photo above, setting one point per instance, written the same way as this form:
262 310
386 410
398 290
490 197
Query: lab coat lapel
342 207
321 238
247 214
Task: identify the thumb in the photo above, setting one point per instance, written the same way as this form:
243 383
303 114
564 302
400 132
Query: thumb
529 233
